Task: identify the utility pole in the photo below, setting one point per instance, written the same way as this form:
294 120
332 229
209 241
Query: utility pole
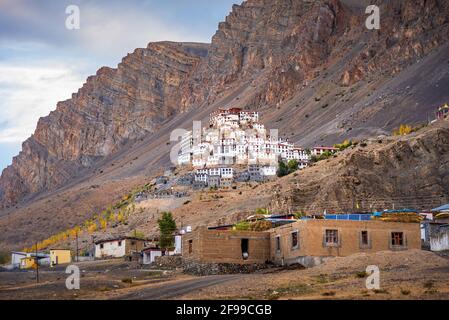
76 246
37 266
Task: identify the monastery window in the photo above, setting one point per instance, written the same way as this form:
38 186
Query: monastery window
295 239
119 243
101 245
331 237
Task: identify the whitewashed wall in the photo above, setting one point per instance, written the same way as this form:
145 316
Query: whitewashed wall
110 249
440 242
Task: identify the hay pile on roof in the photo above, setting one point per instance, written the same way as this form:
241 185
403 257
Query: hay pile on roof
411 217
442 215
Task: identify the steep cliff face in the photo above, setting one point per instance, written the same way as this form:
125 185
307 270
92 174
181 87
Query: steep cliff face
409 31
290 43
113 107
282 40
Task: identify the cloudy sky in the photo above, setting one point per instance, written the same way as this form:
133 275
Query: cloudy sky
42 62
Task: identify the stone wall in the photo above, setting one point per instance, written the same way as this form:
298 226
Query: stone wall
203 269
168 262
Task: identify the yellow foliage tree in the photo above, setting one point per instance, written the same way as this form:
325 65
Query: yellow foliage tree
403 130
92 228
103 223
120 216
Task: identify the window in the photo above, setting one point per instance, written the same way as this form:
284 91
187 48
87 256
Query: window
119 243
295 239
245 246
331 237
190 246
364 238
101 245
278 243
397 238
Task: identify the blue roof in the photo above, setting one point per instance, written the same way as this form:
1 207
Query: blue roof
378 214
353 217
442 208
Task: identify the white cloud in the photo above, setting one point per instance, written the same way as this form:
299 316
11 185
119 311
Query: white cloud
28 93
115 30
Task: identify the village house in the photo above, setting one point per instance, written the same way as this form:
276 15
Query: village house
29 260
226 246
317 151
307 242
16 257
60 256
118 247
442 112
28 263
149 254
310 241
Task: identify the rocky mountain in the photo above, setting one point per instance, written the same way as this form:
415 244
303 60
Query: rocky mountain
311 68
113 107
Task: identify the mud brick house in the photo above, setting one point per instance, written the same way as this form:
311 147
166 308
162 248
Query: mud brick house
226 246
308 242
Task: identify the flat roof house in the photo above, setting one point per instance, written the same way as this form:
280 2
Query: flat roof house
149 254
226 246
118 247
16 256
60 256
307 242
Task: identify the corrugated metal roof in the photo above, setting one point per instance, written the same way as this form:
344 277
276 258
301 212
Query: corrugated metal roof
444 207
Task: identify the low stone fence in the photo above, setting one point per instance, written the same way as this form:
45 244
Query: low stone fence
167 262
204 269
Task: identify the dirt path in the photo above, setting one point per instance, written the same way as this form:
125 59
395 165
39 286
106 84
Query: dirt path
173 290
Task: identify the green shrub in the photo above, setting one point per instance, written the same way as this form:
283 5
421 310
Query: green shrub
242 226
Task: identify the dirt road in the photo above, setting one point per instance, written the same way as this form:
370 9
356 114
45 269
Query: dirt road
173 290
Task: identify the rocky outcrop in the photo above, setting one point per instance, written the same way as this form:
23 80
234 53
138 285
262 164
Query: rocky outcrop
113 107
401 172
279 40
409 31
